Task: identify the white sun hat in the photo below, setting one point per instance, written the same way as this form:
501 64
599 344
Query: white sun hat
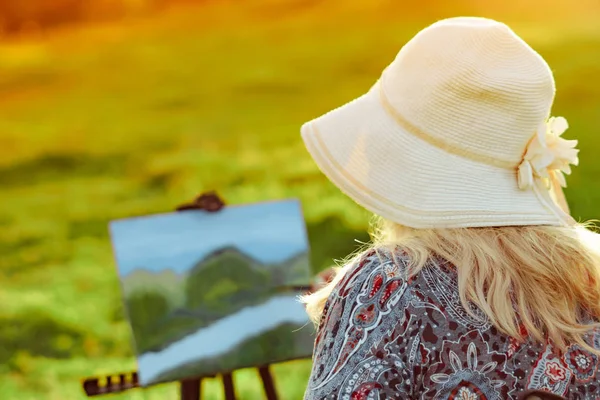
455 133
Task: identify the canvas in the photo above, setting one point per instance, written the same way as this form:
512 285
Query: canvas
207 293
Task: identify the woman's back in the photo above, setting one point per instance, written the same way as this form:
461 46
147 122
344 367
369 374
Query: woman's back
383 335
455 149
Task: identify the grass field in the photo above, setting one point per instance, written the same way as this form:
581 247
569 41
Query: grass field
110 121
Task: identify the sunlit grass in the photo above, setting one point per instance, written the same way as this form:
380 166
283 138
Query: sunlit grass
59 380
128 119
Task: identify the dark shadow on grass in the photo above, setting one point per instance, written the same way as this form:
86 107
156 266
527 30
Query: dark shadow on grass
91 228
299 180
24 255
359 67
157 183
54 167
6 220
37 334
154 185
24 244
330 240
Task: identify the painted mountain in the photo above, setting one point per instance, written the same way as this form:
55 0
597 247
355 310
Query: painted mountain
165 307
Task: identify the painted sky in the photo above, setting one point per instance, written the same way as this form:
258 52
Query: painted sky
269 232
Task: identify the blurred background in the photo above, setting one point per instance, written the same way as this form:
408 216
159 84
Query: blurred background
114 108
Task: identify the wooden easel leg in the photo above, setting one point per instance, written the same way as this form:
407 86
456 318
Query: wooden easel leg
191 389
267 380
228 386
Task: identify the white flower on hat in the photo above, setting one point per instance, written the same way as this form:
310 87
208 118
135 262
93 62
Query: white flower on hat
548 156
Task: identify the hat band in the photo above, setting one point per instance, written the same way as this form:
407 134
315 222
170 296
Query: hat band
357 189
558 210
438 142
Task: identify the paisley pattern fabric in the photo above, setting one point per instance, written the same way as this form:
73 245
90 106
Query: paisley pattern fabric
384 336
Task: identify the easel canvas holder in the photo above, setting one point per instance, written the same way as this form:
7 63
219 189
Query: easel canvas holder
190 386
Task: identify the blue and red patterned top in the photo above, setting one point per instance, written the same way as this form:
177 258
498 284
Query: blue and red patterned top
383 336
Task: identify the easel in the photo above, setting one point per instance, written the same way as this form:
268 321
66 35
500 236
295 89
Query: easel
190 389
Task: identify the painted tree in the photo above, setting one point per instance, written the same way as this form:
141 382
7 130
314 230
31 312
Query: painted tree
146 308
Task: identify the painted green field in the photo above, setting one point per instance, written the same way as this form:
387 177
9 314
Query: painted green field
132 118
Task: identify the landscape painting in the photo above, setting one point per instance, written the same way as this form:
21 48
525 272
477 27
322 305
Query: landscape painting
207 293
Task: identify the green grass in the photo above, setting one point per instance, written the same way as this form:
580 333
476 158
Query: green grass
133 118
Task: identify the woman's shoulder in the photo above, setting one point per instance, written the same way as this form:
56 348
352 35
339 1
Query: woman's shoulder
388 317
381 270
368 309
374 264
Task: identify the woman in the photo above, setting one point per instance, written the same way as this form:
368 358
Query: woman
479 285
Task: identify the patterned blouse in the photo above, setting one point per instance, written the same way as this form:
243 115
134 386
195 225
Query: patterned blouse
382 336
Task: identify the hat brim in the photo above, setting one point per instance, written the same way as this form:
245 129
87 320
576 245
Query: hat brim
395 174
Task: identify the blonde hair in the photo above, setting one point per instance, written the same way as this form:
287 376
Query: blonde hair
543 277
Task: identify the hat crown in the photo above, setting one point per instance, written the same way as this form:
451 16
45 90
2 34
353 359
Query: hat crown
472 84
